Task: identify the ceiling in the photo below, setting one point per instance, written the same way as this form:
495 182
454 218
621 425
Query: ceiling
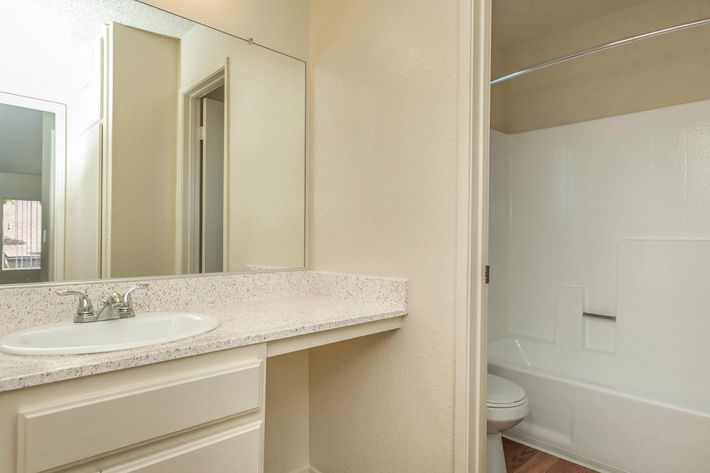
74 23
520 21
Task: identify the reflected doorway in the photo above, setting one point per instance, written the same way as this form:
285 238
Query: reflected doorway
212 182
31 146
204 200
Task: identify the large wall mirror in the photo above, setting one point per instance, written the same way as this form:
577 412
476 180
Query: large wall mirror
137 143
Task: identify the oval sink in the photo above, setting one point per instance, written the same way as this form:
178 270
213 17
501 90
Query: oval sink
68 338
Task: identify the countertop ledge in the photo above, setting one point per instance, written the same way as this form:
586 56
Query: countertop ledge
241 324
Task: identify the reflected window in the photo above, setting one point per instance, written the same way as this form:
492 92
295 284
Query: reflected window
21 234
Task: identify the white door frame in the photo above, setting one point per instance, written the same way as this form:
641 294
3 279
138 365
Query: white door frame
57 177
472 236
187 229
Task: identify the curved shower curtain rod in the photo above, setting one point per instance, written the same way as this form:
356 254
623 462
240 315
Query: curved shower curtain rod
596 49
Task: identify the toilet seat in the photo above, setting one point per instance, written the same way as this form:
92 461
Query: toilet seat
507 406
504 394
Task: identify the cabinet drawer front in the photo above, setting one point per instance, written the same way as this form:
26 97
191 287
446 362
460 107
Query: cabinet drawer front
56 435
234 451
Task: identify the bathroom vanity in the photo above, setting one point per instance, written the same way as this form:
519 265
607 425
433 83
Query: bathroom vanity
203 413
196 404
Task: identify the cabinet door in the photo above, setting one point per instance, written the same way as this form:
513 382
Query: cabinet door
233 451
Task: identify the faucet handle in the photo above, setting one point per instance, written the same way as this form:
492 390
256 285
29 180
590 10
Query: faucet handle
84 311
126 296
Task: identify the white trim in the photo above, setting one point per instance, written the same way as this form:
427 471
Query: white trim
58 175
226 211
106 146
306 169
472 233
188 147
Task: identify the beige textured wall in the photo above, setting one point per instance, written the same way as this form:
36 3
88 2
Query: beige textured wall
278 24
657 72
82 231
143 147
287 442
267 172
267 123
383 144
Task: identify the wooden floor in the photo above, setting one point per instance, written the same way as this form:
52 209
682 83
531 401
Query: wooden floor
522 459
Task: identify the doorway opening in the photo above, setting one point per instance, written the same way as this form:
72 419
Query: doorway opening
31 189
202 237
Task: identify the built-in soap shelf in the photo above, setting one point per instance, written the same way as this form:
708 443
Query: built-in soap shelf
599 332
576 327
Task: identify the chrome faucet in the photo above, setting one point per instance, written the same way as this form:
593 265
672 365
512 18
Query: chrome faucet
116 306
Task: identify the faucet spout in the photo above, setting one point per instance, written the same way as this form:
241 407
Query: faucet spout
119 306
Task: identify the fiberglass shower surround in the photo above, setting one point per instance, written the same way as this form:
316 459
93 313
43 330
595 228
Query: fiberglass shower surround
609 216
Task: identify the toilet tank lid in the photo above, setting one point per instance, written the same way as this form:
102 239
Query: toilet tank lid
503 392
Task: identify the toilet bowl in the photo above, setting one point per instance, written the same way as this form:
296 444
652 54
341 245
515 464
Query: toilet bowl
507 406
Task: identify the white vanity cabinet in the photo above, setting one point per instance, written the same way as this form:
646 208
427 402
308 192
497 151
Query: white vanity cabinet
234 451
203 413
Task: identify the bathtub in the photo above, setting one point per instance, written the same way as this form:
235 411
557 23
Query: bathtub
606 412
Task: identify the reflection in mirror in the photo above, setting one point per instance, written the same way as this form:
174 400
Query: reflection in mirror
137 143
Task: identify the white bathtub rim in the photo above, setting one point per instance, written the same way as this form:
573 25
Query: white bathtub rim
590 385
561 453
552 375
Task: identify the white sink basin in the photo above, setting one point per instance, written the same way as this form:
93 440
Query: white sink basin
68 338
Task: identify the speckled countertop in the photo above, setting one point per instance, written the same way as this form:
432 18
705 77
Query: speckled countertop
325 301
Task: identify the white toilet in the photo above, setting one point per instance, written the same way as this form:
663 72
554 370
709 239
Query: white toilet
507 407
